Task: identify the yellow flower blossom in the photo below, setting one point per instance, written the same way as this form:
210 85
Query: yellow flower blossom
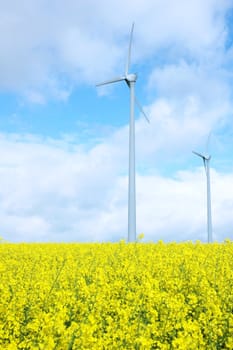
116 296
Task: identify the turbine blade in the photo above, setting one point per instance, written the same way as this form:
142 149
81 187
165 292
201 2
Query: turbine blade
129 51
205 164
208 142
199 154
141 110
114 80
127 82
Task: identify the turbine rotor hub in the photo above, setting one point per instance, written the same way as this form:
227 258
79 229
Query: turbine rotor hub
131 77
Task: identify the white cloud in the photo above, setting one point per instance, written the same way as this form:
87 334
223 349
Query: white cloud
51 192
54 189
175 209
178 127
182 80
46 48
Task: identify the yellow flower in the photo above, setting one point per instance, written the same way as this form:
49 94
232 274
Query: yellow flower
140 236
116 296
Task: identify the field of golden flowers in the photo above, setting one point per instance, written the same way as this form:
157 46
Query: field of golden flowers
116 296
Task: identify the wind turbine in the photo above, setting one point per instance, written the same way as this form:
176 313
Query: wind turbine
206 160
130 79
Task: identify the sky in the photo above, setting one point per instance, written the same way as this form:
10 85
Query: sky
64 142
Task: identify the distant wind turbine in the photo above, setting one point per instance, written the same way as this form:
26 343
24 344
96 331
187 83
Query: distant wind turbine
206 160
130 79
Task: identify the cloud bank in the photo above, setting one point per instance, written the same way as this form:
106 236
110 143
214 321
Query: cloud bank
47 48
53 191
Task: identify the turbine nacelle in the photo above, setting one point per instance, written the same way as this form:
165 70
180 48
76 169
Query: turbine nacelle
203 156
131 78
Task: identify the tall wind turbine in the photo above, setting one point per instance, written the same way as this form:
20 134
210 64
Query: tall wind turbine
130 79
206 161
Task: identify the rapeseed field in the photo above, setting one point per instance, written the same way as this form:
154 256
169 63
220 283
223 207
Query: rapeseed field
116 296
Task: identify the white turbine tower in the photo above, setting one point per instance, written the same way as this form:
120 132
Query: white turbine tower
206 160
130 79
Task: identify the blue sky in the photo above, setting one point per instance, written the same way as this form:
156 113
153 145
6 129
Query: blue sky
64 143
